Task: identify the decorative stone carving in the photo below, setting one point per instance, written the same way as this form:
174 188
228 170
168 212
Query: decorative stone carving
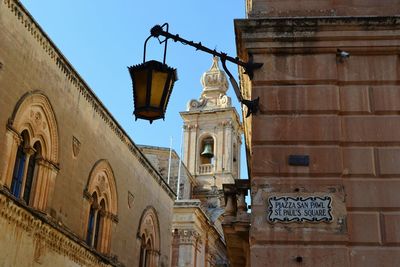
101 179
187 236
131 198
76 146
215 85
224 101
196 104
45 235
214 79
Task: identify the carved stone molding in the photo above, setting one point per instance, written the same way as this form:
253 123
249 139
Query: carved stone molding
76 147
187 236
131 199
50 235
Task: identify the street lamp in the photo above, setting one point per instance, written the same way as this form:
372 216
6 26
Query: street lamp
152 81
152 84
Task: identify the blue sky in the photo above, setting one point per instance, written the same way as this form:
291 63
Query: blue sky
101 38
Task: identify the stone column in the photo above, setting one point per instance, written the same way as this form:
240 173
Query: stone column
11 143
175 248
154 257
186 147
229 144
241 204
44 181
230 200
96 211
106 232
187 247
29 151
52 174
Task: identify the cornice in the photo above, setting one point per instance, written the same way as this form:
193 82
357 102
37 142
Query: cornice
32 27
327 22
265 34
206 115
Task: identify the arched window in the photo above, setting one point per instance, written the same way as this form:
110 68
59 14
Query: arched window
149 233
31 151
102 206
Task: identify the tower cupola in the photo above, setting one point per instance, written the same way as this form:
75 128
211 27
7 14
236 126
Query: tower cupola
214 81
213 95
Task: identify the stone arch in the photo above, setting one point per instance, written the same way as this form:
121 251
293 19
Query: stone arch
34 115
102 180
205 164
100 217
149 235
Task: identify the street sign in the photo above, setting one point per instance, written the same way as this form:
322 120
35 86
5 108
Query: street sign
300 209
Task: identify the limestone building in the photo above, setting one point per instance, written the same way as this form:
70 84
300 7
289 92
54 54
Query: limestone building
75 190
327 130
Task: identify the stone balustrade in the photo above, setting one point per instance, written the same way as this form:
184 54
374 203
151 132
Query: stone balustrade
206 168
236 223
235 201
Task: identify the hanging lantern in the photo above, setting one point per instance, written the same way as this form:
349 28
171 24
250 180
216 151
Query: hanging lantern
152 83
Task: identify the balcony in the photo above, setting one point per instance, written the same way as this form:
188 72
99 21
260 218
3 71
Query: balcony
206 168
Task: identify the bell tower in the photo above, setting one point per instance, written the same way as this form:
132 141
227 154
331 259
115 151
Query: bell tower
212 133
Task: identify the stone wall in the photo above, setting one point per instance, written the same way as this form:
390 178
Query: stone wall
342 112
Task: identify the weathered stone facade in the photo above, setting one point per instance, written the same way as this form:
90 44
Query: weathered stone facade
197 238
328 126
75 189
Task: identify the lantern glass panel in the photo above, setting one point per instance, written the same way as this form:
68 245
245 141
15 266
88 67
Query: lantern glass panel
141 87
159 80
152 85
170 86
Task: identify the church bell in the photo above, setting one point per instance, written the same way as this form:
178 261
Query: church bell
208 150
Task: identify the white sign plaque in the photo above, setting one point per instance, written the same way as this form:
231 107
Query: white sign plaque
300 209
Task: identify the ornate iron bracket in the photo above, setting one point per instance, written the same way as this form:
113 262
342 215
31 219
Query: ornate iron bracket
249 67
